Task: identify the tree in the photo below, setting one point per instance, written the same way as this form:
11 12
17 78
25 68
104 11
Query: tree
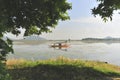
106 8
35 16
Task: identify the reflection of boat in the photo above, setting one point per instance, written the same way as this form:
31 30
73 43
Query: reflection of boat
60 45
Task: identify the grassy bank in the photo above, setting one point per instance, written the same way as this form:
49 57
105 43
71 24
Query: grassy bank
62 69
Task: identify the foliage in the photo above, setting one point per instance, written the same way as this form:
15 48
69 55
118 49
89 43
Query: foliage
35 16
106 8
5 48
3 73
61 69
42 14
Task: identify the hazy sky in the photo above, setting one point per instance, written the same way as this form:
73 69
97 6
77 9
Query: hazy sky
83 24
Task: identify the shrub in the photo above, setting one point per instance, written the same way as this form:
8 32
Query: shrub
3 72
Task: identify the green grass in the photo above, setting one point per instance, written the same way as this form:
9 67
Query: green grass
62 69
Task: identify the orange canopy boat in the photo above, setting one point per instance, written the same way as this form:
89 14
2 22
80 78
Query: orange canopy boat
61 45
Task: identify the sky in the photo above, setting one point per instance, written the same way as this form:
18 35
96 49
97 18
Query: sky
83 24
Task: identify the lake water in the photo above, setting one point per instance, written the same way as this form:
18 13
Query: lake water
37 50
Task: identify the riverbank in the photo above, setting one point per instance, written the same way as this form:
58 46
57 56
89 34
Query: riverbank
62 69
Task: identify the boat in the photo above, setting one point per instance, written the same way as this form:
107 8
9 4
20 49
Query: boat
60 45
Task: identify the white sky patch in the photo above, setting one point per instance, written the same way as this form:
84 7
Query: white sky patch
88 20
97 20
11 36
86 27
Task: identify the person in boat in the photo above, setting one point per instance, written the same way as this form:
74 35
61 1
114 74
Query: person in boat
60 44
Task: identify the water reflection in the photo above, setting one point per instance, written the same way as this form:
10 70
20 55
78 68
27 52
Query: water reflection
60 48
77 50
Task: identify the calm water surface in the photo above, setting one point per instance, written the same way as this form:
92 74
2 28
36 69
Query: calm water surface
36 50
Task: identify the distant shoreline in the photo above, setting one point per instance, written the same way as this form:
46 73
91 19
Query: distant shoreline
105 40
